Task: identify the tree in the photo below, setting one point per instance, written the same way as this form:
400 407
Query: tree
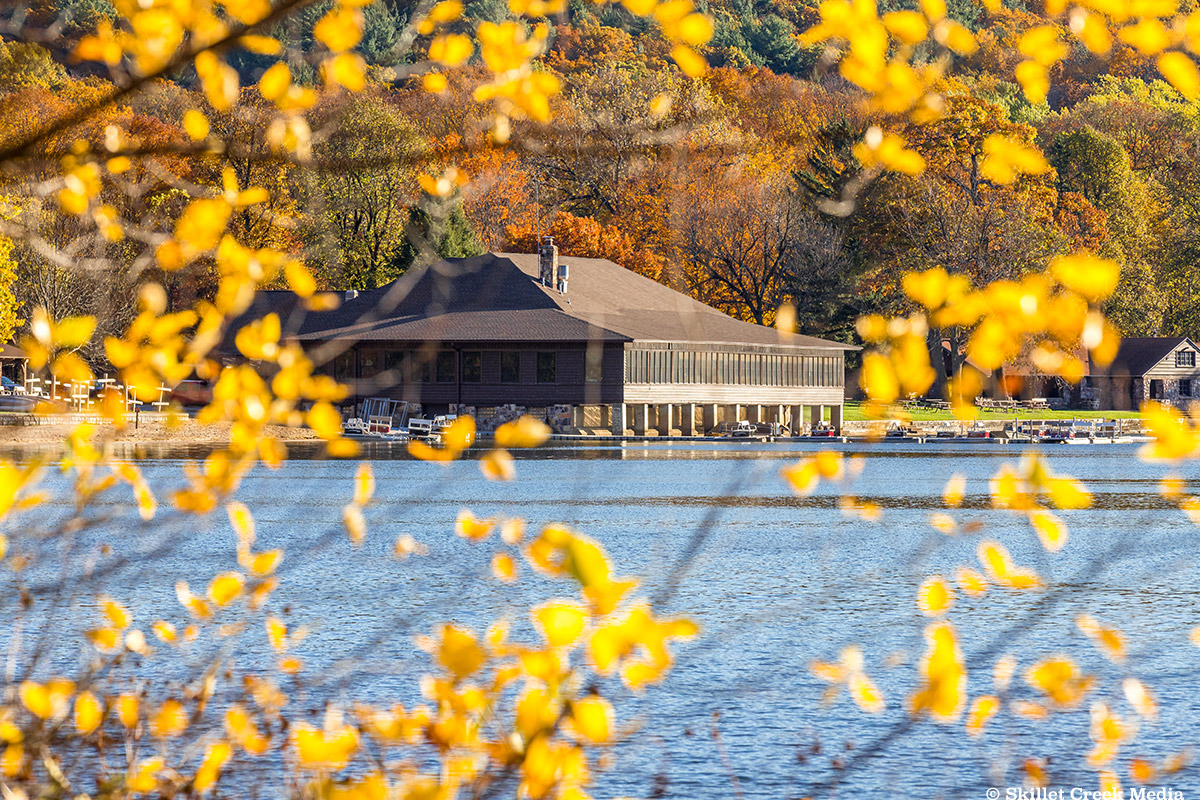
952 216
367 188
1098 168
736 234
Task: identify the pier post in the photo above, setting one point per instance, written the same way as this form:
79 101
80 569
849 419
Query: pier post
835 418
754 413
733 414
709 422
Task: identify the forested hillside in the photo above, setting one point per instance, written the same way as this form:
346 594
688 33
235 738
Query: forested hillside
740 186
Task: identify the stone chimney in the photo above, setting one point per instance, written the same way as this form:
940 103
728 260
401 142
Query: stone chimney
548 262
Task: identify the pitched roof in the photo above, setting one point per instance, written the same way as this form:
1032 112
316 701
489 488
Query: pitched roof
1138 356
498 297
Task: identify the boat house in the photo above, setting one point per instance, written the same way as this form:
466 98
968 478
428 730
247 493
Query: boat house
585 343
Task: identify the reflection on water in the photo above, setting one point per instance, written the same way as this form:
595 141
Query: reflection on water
778 581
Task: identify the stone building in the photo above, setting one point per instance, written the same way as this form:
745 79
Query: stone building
1163 368
581 341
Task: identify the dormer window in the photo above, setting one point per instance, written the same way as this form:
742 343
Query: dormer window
1185 358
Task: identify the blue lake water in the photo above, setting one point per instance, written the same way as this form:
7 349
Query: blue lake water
774 581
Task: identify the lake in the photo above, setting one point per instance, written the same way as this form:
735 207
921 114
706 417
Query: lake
774 581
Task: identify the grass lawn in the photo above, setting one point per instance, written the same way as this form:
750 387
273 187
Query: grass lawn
853 413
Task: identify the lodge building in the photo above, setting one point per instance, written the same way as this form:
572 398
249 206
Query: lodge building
590 345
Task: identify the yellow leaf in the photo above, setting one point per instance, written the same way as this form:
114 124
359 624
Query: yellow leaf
1179 69
1140 697
324 750
169 721
695 30
935 597
1060 680
434 83
347 69
458 651
226 587
524 431
690 62
907 26
943 690
471 527
215 756
115 612
88 713
1050 529
560 622
340 29
242 521
983 709
364 484
299 279
1090 276
195 124
864 693
354 522
262 45
591 719
497 465
451 49
955 37
970 581
127 710
275 81
504 568
1149 36
276 633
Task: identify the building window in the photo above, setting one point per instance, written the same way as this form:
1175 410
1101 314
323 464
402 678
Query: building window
343 366
547 367
368 364
593 363
445 366
393 362
1185 387
1185 358
510 367
419 367
1156 390
472 366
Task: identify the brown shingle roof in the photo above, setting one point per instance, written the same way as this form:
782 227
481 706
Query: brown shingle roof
1138 356
498 297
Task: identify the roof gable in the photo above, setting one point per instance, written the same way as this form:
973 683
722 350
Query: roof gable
1137 356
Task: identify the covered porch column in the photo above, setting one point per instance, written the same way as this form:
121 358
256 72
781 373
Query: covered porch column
617 419
687 419
641 418
708 423
754 413
835 417
663 414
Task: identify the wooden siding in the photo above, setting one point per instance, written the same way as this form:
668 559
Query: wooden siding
569 388
1166 367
